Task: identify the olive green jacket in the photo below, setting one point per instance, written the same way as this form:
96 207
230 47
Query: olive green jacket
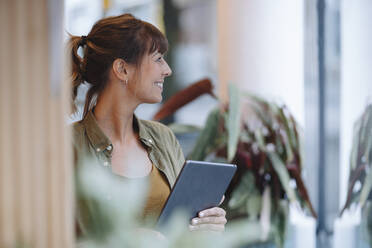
91 144
163 148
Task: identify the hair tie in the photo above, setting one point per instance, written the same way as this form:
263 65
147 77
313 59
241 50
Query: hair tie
83 40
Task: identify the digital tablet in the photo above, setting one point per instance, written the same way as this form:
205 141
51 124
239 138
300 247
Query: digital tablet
200 185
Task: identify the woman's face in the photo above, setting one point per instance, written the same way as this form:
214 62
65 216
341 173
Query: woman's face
149 84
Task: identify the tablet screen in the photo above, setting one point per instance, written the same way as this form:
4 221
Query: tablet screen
200 185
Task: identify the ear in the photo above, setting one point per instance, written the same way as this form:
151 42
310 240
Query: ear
120 69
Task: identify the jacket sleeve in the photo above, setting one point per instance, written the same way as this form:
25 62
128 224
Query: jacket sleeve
178 154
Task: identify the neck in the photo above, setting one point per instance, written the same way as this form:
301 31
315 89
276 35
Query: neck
115 115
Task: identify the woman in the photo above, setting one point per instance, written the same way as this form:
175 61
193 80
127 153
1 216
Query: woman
124 65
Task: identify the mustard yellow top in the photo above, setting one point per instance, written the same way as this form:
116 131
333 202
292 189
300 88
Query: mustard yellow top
157 195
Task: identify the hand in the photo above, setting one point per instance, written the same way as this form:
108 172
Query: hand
212 219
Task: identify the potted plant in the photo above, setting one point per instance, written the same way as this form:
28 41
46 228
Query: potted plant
262 139
360 177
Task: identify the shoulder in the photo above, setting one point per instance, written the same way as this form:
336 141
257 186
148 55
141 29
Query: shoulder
157 129
79 137
77 129
154 125
168 149
162 136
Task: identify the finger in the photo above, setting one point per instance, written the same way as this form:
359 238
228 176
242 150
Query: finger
216 211
209 220
207 227
223 198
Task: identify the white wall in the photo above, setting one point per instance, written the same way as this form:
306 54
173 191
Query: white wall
261 49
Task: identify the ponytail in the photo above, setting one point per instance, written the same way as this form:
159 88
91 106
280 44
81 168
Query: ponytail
77 71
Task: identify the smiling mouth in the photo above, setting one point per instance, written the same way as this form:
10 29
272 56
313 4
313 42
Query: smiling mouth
159 84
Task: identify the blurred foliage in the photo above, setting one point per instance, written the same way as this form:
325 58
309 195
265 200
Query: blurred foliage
367 222
262 139
360 177
20 243
113 221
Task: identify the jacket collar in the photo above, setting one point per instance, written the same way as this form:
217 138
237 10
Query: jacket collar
101 142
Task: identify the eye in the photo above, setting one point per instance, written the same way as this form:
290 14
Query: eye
159 59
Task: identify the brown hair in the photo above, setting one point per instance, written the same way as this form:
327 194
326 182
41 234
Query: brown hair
115 37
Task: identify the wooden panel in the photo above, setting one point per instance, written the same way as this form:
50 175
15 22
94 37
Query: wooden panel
7 191
36 188
22 140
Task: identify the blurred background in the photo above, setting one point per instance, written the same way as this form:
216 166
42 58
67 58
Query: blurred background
314 56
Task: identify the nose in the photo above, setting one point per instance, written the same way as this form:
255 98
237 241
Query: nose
167 70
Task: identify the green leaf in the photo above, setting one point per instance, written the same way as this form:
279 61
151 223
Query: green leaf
355 146
283 175
366 222
352 196
368 137
301 148
259 139
280 223
183 128
360 165
218 160
289 131
245 137
242 191
369 222
288 148
279 144
207 138
241 233
233 121
364 125
366 189
254 205
260 109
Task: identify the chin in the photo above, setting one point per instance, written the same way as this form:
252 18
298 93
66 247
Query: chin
154 100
